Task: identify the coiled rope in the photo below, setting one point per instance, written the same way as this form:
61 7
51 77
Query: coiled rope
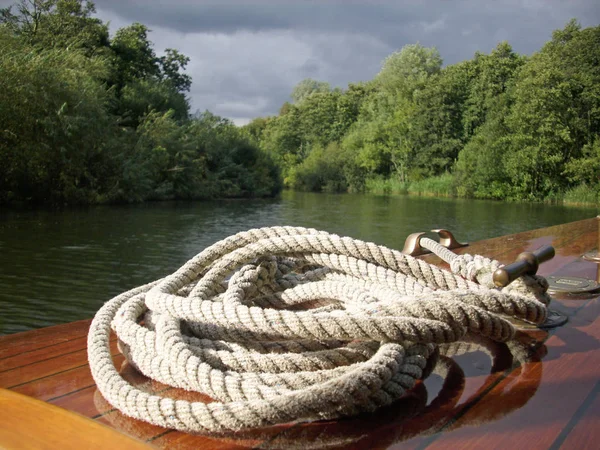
290 324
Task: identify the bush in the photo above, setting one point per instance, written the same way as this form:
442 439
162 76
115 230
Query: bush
323 170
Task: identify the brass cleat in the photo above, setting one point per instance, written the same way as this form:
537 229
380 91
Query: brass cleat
413 247
527 263
448 240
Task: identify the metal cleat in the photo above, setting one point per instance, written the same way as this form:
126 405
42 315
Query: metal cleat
412 245
448 240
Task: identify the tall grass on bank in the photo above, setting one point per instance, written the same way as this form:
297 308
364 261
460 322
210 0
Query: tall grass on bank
581 195
440 186
385 186
444 186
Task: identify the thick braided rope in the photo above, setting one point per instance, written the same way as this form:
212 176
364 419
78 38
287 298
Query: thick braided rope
291 324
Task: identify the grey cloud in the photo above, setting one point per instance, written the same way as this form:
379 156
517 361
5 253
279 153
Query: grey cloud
390 21
230 15
259 69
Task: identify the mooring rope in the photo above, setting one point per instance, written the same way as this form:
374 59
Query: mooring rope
287 324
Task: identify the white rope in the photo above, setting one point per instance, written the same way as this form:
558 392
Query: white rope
291 324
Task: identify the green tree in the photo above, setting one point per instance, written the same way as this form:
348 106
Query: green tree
434 129
381 137
84 124
556 111
586 169
489 76
56 135
480 170
134 56
324 170
256 128
409 68
172 65
283 139
57 23
144 82
317 114
307 87
372 138
348 108
235 166
139 97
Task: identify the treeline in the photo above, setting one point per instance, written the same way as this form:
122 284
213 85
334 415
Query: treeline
86 118
500 125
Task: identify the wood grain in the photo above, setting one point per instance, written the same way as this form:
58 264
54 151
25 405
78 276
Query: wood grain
62 383
14 344
49 352
36 370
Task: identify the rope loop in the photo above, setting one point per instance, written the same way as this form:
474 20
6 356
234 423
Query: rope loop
289 324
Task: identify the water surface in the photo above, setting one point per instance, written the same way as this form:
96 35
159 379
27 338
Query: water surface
60 266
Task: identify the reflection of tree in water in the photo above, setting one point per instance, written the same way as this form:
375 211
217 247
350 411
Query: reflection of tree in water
409 417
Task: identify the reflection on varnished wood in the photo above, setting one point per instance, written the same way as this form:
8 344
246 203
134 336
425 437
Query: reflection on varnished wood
457 366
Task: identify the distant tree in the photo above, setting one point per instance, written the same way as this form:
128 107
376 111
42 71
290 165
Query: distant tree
285 108
434 129
409 68
490 76
481 170
255 129
56 137
372 137
57 23
145 82
556 111
348 109
134 55
308 87
283 138
236 167
139 97
172 65
317 114
586 169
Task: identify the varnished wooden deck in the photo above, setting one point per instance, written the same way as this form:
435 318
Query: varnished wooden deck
550 399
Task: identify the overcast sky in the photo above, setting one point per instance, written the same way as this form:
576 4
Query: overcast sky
247 55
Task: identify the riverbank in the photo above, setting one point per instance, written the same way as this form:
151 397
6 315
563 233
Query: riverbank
442 187
446 186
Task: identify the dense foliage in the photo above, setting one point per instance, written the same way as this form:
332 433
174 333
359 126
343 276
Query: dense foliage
500 125
86 118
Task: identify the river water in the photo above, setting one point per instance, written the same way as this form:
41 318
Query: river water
60 266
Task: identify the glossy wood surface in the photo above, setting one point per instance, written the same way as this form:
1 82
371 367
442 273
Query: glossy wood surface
539 391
